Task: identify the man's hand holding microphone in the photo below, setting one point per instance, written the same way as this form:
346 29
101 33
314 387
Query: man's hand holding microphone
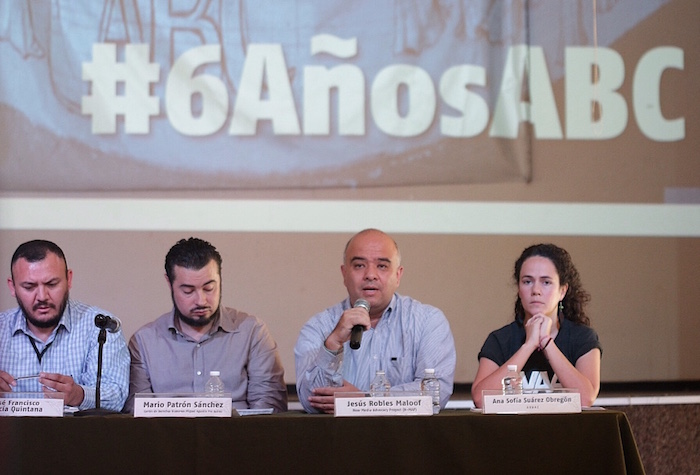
352 323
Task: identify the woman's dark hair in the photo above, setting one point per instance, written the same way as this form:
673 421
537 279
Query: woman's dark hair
576 297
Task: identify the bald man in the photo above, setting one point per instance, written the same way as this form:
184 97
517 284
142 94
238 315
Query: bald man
402 336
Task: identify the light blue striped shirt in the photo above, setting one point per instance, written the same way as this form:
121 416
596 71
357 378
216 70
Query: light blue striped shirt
409 338
73 351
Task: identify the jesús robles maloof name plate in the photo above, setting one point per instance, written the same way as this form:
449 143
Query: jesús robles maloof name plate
394 404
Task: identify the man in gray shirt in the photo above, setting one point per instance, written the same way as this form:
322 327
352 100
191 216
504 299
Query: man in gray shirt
176 352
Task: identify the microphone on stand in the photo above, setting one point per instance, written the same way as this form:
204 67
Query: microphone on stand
105 323
356 334
111 324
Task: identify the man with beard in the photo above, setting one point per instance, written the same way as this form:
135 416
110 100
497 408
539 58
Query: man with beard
49 342
176 352
402 336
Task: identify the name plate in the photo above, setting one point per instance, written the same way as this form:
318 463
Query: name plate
30 404
174 405
361 405
557 401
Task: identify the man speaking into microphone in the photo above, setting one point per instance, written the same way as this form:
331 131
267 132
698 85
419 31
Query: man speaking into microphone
374 328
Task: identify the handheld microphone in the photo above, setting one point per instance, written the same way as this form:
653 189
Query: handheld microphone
356 334
105 322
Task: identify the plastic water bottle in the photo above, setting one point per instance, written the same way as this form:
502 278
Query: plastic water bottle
380 384
214 386
512 382
431 386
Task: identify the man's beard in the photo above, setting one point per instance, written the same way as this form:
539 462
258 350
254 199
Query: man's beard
50 323
196 322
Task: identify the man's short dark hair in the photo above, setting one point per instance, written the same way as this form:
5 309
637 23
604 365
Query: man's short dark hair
192 253
35 251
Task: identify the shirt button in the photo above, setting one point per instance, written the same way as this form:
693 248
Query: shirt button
199 373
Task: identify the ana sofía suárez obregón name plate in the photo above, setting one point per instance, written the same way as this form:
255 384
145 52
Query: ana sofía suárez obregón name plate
551 401
182 405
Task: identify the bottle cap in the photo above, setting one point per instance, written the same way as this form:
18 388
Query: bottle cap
430 370
512 367
214 373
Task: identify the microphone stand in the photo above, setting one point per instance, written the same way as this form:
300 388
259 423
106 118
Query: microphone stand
98 411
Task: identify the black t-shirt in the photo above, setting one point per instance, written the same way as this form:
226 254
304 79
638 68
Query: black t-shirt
574 340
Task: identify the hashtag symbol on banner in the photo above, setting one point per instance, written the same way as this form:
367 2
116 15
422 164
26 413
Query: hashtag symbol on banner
134 75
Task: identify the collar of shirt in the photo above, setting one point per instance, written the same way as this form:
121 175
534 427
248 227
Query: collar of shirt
226 321
389 311
20 324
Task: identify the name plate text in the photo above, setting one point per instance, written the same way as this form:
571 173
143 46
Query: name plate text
182 406
364 406
21 406
556 402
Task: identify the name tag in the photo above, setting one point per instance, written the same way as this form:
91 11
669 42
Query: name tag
162 405
558 401
360 405
30 404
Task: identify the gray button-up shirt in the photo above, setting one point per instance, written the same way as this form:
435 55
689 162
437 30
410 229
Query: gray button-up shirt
164 360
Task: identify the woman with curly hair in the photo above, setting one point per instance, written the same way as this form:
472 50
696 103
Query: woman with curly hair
551 340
